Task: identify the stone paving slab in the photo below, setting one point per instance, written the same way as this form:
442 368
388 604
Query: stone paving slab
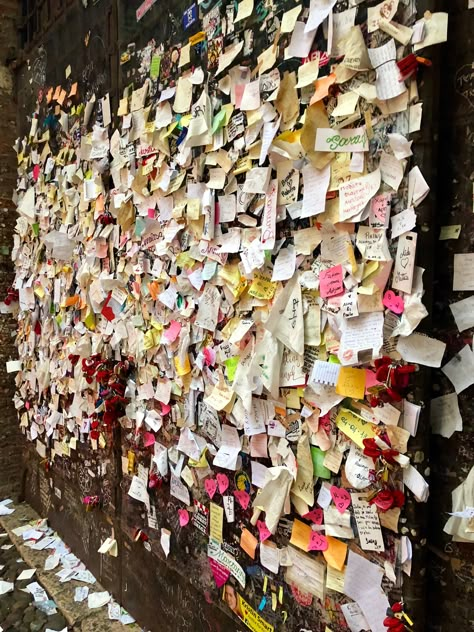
79 617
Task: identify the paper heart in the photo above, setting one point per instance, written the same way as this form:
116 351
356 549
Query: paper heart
263 531
341 498
404 261
315 515
221 573
183 517
223 483
242 498
393 302
211 486
318 542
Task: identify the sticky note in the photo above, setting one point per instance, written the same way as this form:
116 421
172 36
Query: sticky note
318 468
335 554
351 382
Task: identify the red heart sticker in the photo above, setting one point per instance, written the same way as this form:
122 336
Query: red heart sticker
393 302
263 530
211 486
183 517
341 498
315 515
318 542
242 498
223 483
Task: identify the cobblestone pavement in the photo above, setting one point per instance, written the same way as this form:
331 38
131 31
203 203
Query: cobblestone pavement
62 595
17 611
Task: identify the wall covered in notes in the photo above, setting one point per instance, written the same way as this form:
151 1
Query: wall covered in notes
219 285
11 440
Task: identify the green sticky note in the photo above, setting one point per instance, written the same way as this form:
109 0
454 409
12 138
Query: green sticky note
218 121
318 468
231 367
155 66
139 226
333 359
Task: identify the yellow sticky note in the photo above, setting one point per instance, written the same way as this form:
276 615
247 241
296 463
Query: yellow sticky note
355 427
248 543
216 520
351 382
450 232
182 369
300 535
262 287
292 398
335 554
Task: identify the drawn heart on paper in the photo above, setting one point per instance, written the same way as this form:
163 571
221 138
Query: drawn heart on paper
315 515
242 498
223 483
263 530
393 302
221 573
211 486
318 542
404 261
183 517
341 498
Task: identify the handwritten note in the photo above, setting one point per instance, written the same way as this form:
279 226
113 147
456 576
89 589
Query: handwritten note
330 282
328 139
356 194
368 524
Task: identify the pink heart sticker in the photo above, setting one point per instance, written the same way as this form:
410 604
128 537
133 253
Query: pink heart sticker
263 531
221 573
393 302
318 542
223 483
211 487
242 498
183 517
341 498
315 515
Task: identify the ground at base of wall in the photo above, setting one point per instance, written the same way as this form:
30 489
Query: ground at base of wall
17 611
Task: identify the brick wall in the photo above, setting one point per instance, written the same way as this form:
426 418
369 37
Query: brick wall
10 436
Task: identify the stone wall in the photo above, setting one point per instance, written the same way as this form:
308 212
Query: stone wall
10 436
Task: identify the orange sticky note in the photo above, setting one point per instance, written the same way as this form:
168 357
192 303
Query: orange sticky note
322 88
57 92
248 543
300 535
62 96
335 554
351 382
49 95
73 90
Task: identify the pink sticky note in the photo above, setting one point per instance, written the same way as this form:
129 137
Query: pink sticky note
36 172
148 439
220 572
317 542
341 498
223 483
263 531
183 517
165 408
330 282
211 486
393 302
242 498
151 213
315 515
173 331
